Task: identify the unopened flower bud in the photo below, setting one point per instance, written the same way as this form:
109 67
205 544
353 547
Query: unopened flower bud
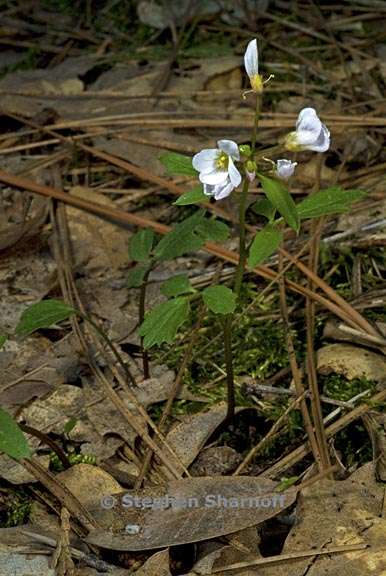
250 170
245 150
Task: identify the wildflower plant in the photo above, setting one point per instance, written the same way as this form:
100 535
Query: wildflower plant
226 170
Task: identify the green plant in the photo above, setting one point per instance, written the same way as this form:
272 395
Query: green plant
222 171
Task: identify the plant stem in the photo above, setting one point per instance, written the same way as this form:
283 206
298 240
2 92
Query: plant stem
227 331
256 123
142 299
242 246
229 367
242 208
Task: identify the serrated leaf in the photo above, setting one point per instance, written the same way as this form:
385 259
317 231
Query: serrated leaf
178 164
279 196
189 236
136 275
263 207
265 243
219 299
194 196
176 286
43 315
163 321
12 440
141 244
181 239
3 339
332 200
213 230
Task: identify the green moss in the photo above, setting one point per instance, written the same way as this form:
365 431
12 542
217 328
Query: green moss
57 466
339 388
17 509
29 61
354 445
259 350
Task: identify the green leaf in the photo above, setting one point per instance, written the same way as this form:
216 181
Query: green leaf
265 243
194 196
182 239
332 200
279 196
141 244
136 275
189 236
213 230
42 315
12 440
3 339
69 425
176 286
264 207
161 323
219 299
178 164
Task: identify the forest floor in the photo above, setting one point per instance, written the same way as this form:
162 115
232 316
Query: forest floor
92 95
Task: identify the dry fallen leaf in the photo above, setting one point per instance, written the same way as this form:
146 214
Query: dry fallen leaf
351 361
188 510
339 513
188 436
156 565
375 423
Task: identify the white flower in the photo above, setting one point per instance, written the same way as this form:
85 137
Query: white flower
310 133
251 63
218 172
285 168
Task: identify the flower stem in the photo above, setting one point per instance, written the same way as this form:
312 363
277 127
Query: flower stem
227 331
242 209
242 245
256 123
142 302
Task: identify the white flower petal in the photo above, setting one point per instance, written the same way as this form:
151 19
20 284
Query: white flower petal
285 168
234 174
223 190
308 127
322 143
230 148
251 59
215 177
205 160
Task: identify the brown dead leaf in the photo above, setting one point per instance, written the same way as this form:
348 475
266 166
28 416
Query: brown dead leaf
156 565
243 547
189 436
195 509
352 362
98 245
215 461
51 413
375 423
334 513
80 477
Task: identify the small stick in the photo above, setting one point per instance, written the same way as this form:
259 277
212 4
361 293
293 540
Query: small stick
291 556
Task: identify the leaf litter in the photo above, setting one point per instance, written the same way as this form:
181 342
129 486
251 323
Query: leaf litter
46 378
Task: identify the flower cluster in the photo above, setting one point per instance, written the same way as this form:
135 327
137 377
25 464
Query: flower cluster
221 169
